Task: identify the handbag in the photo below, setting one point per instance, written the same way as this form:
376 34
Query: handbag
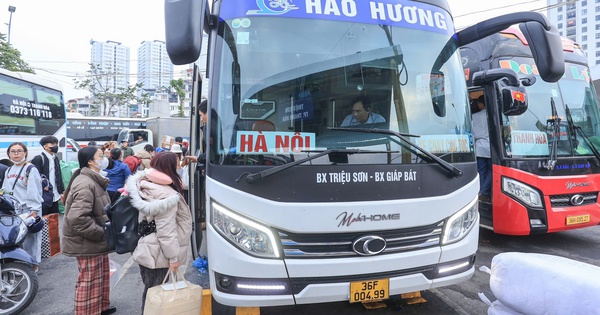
179 297
121 231
185 177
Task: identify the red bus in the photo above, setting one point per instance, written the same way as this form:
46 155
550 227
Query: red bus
545 160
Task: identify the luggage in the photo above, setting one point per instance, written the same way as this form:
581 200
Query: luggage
539 284
176 298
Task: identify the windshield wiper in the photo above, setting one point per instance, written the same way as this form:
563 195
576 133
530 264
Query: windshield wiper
574 128
554 122
251 178
402 136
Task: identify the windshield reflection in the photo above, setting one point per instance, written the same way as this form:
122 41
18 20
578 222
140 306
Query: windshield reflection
532 134
279 93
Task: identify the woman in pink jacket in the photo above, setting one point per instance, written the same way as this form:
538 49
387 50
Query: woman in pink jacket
157 194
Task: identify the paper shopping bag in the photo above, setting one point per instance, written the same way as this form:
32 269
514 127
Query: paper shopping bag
50 236
179 297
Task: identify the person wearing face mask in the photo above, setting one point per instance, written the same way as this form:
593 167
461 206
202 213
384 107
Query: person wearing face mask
83 235
48 164
27 189
117 173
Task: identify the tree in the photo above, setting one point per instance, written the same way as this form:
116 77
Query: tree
10 58
178 85
100 84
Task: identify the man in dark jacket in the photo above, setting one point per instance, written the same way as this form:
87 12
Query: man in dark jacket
48 165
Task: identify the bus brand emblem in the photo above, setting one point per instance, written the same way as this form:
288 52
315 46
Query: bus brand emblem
577 200
572 184
369 245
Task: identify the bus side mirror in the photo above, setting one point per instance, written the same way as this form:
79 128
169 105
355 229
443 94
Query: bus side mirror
184 20
438 93
546 49
514 100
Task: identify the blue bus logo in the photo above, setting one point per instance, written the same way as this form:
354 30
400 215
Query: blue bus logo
274 7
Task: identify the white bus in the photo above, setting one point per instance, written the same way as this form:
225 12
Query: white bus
84 129
302 207
31 107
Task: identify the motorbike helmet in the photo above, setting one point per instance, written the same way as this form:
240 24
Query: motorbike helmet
37 226
8 203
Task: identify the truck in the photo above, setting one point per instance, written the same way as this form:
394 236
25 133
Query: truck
545 162
301 208
159 131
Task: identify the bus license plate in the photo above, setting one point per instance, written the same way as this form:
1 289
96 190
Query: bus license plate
578 219
368 291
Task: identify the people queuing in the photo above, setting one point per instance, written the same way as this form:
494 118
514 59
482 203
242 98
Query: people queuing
117 172
182 168
107 146
146 155
27 190
126 149
179 141
157 194
48 164
83 235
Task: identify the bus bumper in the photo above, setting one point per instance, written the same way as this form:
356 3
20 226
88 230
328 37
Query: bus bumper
308 281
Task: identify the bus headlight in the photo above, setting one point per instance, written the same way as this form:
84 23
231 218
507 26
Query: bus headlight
248 235
524 193
461 223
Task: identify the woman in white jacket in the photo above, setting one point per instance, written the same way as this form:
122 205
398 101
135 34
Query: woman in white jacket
156 193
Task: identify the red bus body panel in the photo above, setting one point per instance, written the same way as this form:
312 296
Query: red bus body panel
510 216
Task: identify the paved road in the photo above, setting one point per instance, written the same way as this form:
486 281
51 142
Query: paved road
58 275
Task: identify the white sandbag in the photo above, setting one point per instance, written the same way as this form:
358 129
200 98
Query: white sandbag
496 307
545 284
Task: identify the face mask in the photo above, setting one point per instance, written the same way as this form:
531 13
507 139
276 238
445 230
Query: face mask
54 149
102 164
103 173
18 162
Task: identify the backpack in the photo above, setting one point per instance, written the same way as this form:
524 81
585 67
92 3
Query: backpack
121 231
133 162
47 195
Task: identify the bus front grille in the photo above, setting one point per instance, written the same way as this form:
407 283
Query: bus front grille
337 245
572 200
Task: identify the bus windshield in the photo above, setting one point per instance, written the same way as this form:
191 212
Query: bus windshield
30 108
532 134
280 94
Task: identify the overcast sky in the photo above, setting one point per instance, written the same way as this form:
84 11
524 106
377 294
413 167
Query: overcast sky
54 36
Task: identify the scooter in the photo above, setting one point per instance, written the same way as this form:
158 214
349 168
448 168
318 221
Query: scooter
18 280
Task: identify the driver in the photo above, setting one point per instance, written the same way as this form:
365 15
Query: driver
361 113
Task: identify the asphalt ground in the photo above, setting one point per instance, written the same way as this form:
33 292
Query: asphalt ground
58 274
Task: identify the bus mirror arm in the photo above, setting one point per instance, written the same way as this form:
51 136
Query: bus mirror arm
488 76
542 38
528 80
499 23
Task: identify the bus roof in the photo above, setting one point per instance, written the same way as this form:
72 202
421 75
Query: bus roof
72 115
33 78
567 44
